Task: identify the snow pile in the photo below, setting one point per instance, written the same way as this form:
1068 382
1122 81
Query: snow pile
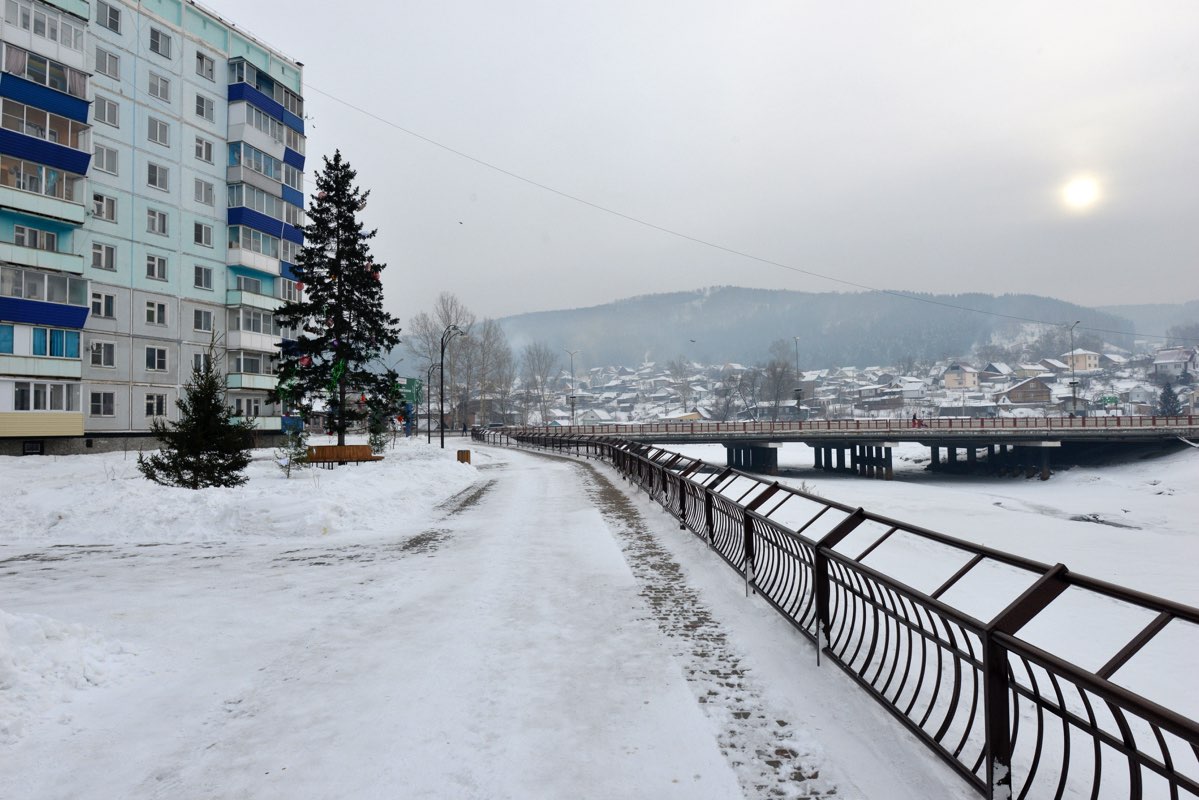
44 661
102 498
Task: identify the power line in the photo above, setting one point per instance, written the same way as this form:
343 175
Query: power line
704 242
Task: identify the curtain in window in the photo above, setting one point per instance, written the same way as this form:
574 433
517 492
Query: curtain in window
14 60
77 83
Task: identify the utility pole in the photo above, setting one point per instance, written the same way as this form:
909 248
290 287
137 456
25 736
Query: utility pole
572 398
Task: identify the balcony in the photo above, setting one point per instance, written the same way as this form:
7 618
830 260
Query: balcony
249 340
240 256
246 380
41 367
44 259
268 423
41 205
265 302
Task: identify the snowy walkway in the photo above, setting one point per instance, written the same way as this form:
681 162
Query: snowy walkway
543 634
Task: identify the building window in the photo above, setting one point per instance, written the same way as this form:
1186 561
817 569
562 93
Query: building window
203 234
252 285
160 87
104 207
159 132
6 339
295 140
156 359
33 121
293 177
201 361
156 222
108 63
34 285
205 107
28 176
264 122
156 267
203 277
160 42
102 404
37 239
55 343
156 313
205 67
203 150
106 159
108 17
104 305
45 23
158 177
254 241
107 111
156 405
104 256
43 71
247 406
204 192
104 354
289 291
241 154
202 320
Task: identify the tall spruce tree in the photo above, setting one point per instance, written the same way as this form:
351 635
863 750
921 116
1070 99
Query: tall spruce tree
206 447
339 322
1168 404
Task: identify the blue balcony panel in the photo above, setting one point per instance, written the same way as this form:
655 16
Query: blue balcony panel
241 215
246 92
40 151
288 271
292 121
293 159
293 234
37 312
52 100
293 196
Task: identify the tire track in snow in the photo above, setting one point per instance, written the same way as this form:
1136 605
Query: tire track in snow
770 756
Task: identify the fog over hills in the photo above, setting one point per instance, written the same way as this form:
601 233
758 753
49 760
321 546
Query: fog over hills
848 329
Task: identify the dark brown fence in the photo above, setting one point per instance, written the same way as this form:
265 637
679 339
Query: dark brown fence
953 638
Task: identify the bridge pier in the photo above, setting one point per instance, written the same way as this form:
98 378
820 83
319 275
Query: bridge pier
753 457
935 458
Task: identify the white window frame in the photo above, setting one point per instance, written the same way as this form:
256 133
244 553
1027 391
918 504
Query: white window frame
156 404
203 150
156 356
158 132
105 401
106 159
158 176
205 192
157 222
156 267
160 87
202 277
107 111
205 107
199 317
102 204
108 64
102 354
102 303
160 42
202 234
205 66
108 16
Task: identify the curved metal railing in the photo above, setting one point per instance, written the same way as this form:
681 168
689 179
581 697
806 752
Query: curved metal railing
953 638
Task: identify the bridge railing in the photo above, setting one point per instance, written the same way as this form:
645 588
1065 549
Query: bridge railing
882 425
1029 680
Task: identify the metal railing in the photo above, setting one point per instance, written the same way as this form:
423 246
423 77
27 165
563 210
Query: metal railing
949 636
1031 424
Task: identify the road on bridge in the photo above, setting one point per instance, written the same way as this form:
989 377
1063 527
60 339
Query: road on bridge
549 634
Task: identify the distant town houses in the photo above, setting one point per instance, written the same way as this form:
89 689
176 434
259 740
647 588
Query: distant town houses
1107 383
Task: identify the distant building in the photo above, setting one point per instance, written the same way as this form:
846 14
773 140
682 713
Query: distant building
1027 392
959 376
1171 362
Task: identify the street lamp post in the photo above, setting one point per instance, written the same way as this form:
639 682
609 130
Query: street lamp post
429 402
447 335
572 397
798 387
1073 374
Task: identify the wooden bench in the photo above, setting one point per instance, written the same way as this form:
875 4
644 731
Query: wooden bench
330 454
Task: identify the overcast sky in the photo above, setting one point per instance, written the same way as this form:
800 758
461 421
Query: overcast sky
921 147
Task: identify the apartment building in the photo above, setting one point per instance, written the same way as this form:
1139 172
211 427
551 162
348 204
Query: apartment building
151 201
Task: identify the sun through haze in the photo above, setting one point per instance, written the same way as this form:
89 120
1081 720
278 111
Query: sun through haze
942 147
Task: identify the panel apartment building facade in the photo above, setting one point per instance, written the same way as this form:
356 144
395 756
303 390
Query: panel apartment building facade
151 203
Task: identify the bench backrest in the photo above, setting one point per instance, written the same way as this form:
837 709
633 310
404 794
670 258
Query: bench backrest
345 452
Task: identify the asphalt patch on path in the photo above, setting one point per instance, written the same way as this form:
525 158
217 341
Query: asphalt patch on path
762 748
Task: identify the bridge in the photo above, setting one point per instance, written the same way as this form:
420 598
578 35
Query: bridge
864 446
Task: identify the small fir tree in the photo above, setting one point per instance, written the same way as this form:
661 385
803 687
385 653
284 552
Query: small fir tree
293 455
339 322
1168 404
206 447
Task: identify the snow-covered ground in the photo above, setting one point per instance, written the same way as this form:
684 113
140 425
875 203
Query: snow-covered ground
522 627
